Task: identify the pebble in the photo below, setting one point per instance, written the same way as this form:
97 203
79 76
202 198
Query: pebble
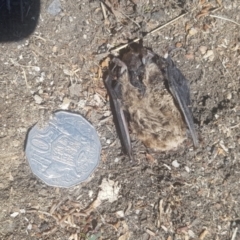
54 8
203 49
120 214
175 164
229 96
38 99
209 55
187 169
16 143
65 104
13 215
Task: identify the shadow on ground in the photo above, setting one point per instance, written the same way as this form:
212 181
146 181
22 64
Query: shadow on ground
18 19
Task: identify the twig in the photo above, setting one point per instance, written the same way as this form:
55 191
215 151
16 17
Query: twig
25 78
153 31
103 10
234 234
130 19
226 69
36 36
232 127
223 18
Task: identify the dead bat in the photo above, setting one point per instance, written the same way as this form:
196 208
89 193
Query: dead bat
155 95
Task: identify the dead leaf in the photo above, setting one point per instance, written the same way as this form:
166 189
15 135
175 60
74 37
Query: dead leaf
125 236
120 214
116 225
206 27
219 3
209 55
150 232
179 45
204 11
150 158
202 49
103 66
202 2
109 191
113 5
187 26
105 63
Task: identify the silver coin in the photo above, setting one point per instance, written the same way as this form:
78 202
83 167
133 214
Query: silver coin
65 152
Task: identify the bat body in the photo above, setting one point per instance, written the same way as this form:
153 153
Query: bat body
156 97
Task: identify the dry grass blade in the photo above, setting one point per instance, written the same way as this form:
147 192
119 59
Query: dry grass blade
103 10
153 31
223 18
234 234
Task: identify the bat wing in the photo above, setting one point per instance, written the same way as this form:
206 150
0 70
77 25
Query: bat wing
120 116
180 91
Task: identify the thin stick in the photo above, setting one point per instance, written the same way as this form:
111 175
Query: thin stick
130 19
172 21
223 18
234 234
153 31
103 10
25 78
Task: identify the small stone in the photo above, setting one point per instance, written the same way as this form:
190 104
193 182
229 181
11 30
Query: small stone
191 233
13 215
38 99
54 8
67 72
120 214
175 164
90 193
82 103
192 32
37 69
189 56
229 96
29 227
98 100
65 104
54 49
187 169
202 49
178 45
137 211
22 211
209 55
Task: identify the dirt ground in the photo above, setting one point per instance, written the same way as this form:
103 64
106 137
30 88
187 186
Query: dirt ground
184 194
